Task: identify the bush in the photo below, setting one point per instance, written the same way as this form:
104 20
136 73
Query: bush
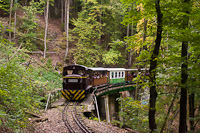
134 114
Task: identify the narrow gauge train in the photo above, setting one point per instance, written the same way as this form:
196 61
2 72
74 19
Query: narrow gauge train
79 80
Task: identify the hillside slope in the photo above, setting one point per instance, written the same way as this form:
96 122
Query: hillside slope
54 43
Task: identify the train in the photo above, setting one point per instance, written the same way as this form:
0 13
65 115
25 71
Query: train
79 80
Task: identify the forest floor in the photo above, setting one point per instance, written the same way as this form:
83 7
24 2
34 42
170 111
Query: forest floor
54 44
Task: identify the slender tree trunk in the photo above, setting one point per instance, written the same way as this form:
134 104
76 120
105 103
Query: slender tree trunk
15 20
99 40
11 5
65 16
168 112
67 28
130 52
145 33
62 12
127 34
153 64
46 29
184 75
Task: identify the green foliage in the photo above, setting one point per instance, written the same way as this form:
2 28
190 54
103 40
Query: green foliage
47 79
116 123
169 61
116 54
95 119
4 6
17 92
111 57
88 31
134 114
29 31
96 26
22 86
49 63
112 15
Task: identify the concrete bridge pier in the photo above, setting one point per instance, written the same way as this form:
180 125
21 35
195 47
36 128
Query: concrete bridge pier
114 106
109 107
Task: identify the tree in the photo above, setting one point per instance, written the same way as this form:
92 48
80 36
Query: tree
184 71
67 3
153 64
28 31
11 5
46 29
88 31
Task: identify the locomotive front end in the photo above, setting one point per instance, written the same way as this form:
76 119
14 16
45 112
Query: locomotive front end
74 87
75 82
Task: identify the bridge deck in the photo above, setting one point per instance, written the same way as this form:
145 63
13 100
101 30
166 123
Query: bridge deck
113 89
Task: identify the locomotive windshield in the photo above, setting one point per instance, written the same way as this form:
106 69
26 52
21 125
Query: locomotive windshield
78 72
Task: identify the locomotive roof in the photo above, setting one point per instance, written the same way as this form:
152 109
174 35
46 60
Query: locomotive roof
79 67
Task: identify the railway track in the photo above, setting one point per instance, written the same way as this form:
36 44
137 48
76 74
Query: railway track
72 120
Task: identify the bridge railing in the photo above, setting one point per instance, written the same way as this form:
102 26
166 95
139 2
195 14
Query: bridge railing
52 97
112 87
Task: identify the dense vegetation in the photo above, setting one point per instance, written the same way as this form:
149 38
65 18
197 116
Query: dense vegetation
23 87
160 35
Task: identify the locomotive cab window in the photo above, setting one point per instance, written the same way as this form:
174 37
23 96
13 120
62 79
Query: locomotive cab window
67 72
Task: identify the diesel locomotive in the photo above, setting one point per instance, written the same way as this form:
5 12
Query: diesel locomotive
79 80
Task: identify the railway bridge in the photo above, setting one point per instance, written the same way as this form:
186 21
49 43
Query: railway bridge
104 100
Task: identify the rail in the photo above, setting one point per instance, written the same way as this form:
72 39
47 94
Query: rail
75 120
65 119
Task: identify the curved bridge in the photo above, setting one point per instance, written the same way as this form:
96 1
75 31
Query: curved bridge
112 89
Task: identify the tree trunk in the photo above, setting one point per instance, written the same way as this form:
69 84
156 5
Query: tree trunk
65 16
99 40
46 29
168 112
15 20
67 26
184 75
145 34
11 5
153 64
127 34
183 100
130 52
62 12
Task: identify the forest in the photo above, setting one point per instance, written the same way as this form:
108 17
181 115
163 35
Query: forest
39 37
